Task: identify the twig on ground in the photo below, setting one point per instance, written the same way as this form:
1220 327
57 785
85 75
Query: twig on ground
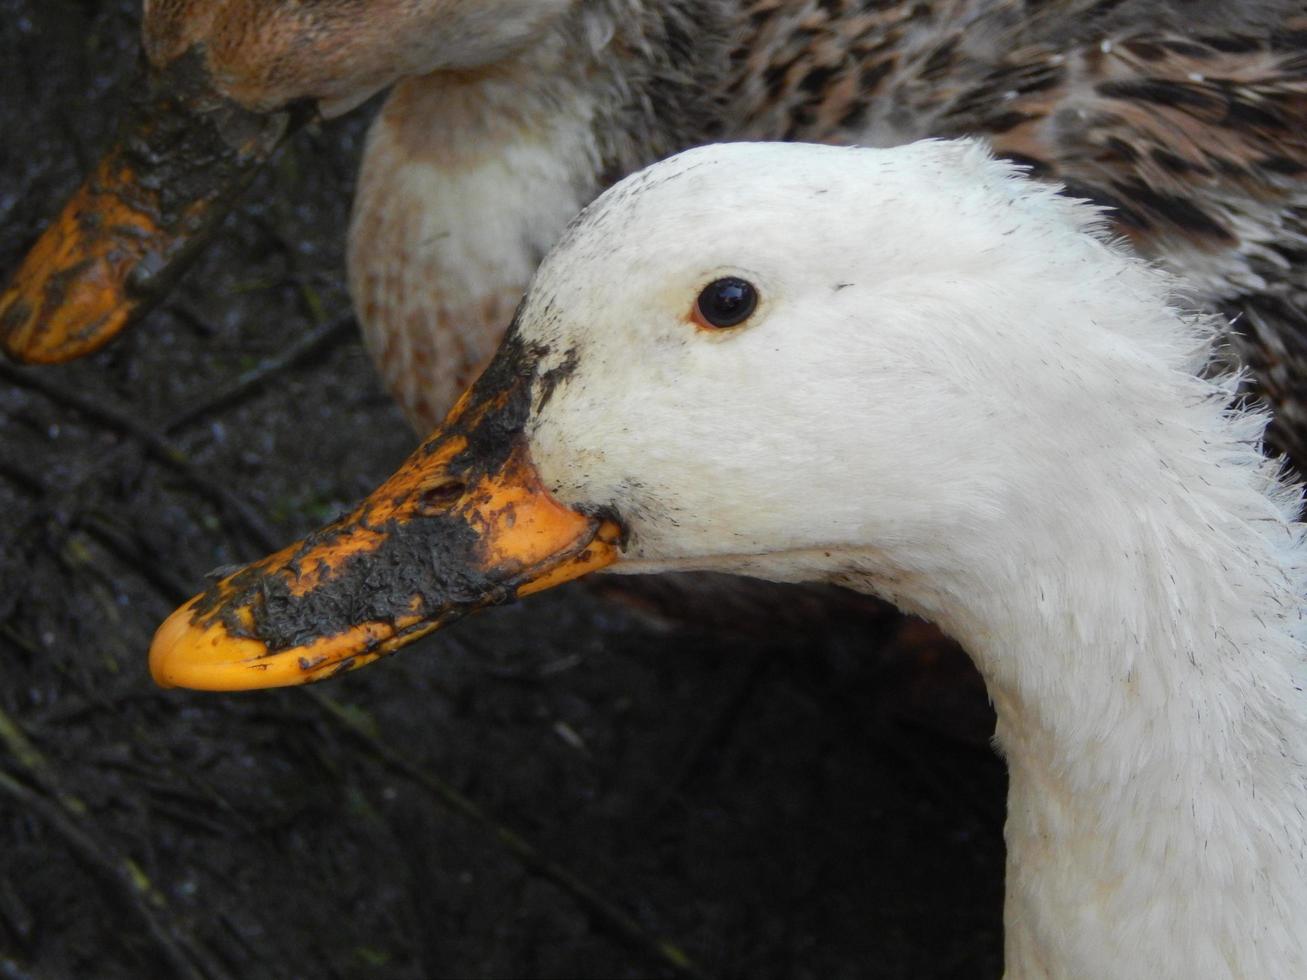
588 898
131 550
314 342
158 445
156 440
321 338
717 729
69 817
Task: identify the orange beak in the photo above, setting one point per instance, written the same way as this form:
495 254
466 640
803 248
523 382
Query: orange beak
143 213
465 523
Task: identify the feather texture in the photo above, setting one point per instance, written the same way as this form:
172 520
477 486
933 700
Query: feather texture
1187 119
1188 124
961 393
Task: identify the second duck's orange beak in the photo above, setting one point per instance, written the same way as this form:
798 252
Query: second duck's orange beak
463 524
183 154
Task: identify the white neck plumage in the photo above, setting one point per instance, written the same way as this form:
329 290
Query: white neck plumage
1143 644
1142 638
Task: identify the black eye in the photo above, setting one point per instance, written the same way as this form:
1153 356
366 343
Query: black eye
725 302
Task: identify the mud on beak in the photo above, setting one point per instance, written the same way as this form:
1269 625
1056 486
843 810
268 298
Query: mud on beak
183 154
465 523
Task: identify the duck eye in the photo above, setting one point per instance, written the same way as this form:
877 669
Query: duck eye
725 303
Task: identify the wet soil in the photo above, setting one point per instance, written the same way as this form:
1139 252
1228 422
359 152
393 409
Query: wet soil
811 795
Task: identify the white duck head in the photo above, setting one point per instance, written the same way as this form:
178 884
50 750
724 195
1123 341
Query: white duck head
915 375
913 372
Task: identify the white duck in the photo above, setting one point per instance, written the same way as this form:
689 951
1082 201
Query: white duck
915 373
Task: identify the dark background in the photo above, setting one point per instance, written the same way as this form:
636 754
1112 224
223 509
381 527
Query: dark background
806 794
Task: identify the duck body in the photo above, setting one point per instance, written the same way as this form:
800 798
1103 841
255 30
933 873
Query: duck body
1186 122
957 392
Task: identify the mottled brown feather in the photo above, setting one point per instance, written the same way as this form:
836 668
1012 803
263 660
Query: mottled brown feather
1186 119
1189 121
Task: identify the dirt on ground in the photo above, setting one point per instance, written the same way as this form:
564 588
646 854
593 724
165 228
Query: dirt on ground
593 783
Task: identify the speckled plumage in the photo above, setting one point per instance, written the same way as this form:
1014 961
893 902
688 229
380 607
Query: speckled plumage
1186 118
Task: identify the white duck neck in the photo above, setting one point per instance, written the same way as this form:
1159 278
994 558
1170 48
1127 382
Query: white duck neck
1147 666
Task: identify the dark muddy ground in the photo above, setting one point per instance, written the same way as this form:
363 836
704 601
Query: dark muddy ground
811 797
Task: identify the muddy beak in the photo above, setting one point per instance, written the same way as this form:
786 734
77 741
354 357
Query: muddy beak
464 523
143 213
